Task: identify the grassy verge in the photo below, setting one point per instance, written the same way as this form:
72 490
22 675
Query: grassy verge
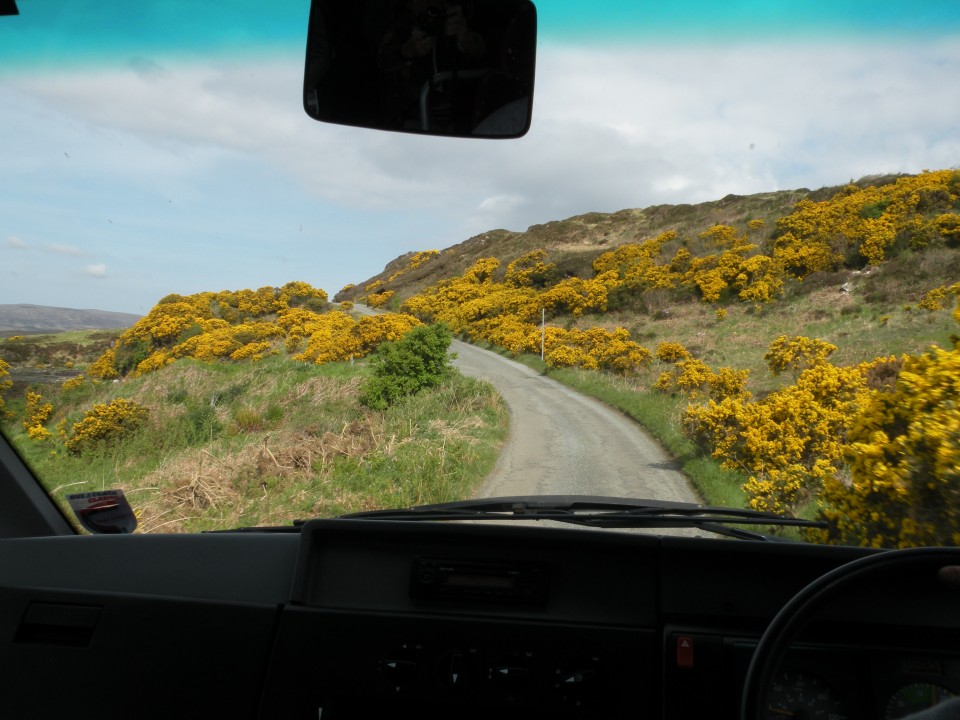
231 444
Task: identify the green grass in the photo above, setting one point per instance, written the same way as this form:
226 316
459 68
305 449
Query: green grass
232 444
741 339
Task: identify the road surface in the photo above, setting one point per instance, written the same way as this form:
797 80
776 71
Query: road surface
562 442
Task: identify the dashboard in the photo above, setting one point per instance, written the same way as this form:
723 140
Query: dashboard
373 619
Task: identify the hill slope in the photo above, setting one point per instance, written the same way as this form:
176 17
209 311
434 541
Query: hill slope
23 319
572 244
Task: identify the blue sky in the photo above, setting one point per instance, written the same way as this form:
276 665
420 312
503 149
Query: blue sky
136 163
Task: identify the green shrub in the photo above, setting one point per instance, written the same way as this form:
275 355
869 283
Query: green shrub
419 360
130 354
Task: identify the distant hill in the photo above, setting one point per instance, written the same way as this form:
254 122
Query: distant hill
25 319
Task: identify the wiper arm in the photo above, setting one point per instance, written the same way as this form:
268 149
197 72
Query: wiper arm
590 511
603 512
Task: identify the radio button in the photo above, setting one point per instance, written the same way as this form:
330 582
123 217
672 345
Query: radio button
510 677
398 672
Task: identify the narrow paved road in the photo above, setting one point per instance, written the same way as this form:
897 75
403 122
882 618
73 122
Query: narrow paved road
562 442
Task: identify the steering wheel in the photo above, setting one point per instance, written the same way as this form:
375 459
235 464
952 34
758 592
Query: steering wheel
806 604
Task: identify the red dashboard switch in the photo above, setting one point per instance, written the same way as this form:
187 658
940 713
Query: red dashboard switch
684 651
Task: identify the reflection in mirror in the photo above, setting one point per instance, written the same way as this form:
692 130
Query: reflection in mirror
461 68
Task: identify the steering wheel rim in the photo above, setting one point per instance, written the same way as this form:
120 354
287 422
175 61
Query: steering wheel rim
804 606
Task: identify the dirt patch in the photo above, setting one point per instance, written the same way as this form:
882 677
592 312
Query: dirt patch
829 301
24 377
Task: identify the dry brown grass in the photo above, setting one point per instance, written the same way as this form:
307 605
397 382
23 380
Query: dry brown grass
197 481
326 389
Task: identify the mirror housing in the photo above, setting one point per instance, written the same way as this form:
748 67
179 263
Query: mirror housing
458 68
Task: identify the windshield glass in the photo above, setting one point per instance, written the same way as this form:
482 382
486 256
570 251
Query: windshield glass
737 225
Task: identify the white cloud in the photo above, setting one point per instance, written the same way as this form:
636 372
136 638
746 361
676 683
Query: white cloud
613 128
14 242
97 270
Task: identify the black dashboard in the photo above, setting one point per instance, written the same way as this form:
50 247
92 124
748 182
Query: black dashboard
373 619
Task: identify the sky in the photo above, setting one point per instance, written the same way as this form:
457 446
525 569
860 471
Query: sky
149 151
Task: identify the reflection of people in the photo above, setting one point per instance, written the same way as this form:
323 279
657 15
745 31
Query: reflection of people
340 69
436 21
317 69
441 66
503 103
427 38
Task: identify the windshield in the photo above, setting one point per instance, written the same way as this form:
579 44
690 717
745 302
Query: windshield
721 267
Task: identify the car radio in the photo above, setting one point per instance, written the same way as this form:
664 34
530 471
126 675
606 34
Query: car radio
441 578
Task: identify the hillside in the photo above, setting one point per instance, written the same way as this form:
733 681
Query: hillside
23 319
857 265
573 244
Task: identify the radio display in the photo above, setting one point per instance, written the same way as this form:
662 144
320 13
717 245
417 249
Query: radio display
476 580
471 580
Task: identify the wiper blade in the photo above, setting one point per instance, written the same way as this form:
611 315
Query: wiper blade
586 510
603 512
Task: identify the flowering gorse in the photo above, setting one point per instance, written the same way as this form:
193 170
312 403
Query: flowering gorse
5 382
903 450
37 413
247 325
105 424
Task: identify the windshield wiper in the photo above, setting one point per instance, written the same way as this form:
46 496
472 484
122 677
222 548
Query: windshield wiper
586 510
602 512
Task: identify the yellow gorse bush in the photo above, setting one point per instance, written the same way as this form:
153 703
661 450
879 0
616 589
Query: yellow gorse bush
505 314
739 267
797 354
337 336
37 413
530 269
416 260
903 451
788 442
72 383
378 300
694 378
671 352
876 445
246 325
596 348
106 423
933 299
5 382
866 222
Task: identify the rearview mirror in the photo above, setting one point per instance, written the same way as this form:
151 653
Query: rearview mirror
461 68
